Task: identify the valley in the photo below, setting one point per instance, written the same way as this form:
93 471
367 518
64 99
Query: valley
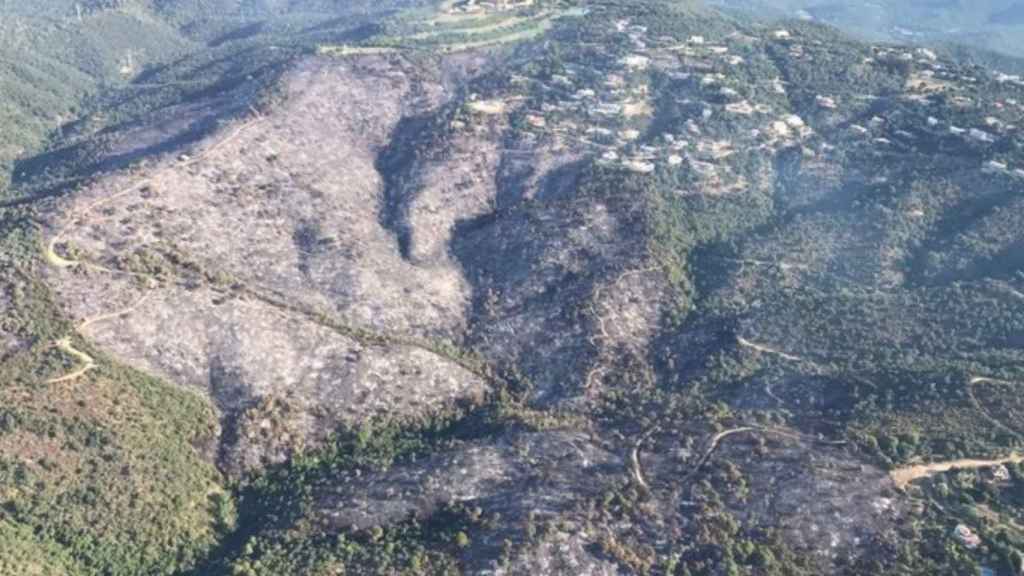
547 287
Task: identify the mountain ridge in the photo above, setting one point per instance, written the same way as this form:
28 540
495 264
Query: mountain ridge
652 291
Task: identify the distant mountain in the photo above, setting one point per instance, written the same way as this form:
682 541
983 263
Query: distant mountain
59 56
509 288
1012 15
987 24
518 288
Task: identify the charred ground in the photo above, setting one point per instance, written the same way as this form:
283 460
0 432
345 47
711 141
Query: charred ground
651 292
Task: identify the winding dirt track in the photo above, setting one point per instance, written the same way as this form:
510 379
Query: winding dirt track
716 440
50 250
784 266
771 394
65 345
88 363
974 400
1009 289
55 259
634 458
767 350
1016 293
902 477
603 339
112 315
979 379
472 365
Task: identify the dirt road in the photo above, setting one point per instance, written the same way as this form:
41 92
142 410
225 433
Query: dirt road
902 477
65 345
767 350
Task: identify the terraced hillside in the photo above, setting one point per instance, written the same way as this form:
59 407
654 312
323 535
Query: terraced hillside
645 291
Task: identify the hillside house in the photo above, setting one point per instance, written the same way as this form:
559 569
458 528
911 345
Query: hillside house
1000 473
607 109
636 61
780 128
639 166
826 102
966 536
536 121
742 107
994 167
980 135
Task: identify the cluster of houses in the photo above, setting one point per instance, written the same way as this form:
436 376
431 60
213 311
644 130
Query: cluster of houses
1004 78
970 539
608 117
932 76
616 109
997 167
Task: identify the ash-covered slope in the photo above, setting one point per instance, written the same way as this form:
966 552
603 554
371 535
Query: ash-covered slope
655 293
71 68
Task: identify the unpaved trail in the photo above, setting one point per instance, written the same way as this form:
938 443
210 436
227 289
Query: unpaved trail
979 379
634 458
767 350
112 315
601 340
712 445
974 400
55 259
715 441
1006 288
596 297
902 477
65 345
50 249
781 265
771 394
88 363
